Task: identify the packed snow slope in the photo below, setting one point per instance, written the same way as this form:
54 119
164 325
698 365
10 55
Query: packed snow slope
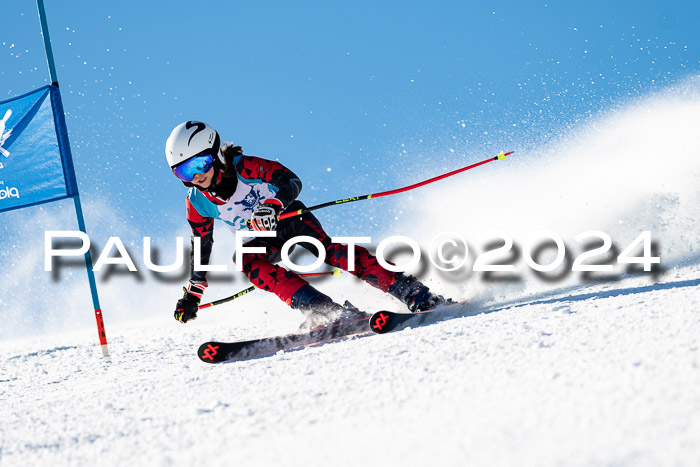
604 374
532 371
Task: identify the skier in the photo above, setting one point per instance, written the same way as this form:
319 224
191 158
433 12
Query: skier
247 192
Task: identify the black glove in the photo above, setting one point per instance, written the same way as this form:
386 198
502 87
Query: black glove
187 307
265 217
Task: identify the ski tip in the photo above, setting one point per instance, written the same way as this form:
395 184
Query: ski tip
379 322
209 352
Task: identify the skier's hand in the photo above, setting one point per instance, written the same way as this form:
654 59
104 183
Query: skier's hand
265 217
187 307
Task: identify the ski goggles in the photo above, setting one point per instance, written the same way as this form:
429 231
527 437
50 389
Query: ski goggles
199 164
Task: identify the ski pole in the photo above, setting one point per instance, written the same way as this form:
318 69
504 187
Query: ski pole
334 273
299 212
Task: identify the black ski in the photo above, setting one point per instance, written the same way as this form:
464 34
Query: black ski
215 352
386 321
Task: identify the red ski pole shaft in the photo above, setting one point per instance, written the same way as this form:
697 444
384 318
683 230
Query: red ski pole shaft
299 212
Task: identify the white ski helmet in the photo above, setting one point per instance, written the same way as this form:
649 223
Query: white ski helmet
189 139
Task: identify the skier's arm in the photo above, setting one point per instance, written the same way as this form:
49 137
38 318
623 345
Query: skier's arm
272 172
202 227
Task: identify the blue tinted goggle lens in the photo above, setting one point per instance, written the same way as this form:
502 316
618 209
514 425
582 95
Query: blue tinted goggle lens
191 167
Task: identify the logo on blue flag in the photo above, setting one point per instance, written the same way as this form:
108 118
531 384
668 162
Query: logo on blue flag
35 159
3 134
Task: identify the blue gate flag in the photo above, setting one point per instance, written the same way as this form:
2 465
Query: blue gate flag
36 166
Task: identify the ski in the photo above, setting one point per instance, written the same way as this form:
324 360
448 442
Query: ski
216 352
386 321
382 322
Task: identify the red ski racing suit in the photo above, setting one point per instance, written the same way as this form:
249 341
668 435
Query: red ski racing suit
255 181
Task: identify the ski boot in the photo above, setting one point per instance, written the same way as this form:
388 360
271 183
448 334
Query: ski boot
351 314
415 295
320 310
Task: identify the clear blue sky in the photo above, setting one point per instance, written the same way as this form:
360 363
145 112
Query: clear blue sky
377 92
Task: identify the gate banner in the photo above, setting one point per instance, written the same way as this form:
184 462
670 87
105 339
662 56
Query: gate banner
36 166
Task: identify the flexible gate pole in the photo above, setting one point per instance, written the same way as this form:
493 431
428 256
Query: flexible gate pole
62 133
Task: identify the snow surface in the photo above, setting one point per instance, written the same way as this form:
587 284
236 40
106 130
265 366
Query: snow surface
604 374
530 372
